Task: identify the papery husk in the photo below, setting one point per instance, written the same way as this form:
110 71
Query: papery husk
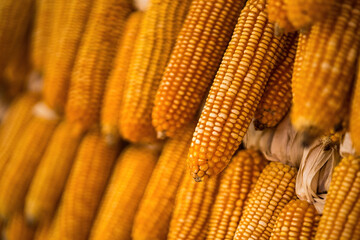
346 146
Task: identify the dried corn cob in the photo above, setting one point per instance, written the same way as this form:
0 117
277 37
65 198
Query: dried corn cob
192 209
84 188
235 184
235 93
193 63
114 90
322 85
153 216
42 231
273 190
297 220
162 23
52 172
340 219
59 66
16 119
15 19
355 114
94 60
276 100
27 154
18 229
277 14
125 190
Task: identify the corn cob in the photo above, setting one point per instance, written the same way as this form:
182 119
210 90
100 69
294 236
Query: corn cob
322 85
26 156
52 172
153 216
297 220
124 192
94 60
16 119
276 99
84 188
192 209
114 90
235 184
18 229
15 19
340 219
161 24
235 93
42 231
59 66
355 114
273 190
193 63
277 13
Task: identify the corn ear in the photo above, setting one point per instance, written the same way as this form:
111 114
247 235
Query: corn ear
354 126
18 229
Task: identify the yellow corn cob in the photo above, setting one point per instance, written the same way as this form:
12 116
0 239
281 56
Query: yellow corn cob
15 19
276 100
124 192
303 13
42 231
60 64
94 60
297 220
26 156
235 184
114 90
273 190
277 14
321 87
355 114
340 219
160 26
16 119
193 63
235 93
84 188
192 209
18 229
52 172
153 216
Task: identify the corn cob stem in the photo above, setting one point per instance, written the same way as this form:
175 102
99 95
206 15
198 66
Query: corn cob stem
193 63
18 229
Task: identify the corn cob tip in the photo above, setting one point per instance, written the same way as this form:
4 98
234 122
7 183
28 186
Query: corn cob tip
161 135
278 31
111 135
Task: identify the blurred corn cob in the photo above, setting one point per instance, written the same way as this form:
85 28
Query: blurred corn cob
84 188
277 13
355 113
52 173
124 192
193 62
42 231
94 60
160 26
17 228
114 90
153 216
235 93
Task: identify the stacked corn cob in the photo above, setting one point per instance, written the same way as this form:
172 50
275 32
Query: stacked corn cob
124 70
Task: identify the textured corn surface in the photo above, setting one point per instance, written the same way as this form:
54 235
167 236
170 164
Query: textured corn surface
277 13
235 185
355 114
52 172
192 208
84 189
15 18
94 60
124 192
273 190
60 63
193 63
297 220
160 26
17 175
17 228
116 83
322 83
235 93
276 100
341 215
42 231
153 216
17 117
